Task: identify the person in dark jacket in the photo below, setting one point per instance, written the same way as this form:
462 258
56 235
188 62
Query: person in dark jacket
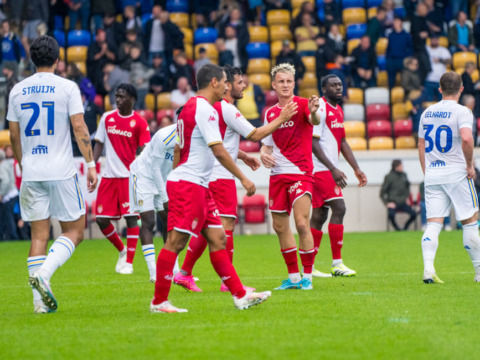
375 27
98 55
325 54
242 35
399 47
333 12
364 63
395 192
420 32
289 56
99 8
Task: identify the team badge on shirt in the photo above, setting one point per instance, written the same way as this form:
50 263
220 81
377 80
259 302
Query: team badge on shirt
194 223
132 123
100 209
140 202
337 190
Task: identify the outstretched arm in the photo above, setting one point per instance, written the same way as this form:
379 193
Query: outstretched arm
348 154
286 114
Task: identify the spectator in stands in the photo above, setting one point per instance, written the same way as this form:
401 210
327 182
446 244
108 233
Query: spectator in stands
287 55
114 32
99 9
79 8
399 47
225 56
84 83
166 121
91 111
376 25
181 94
12 48
8 199
140 76
411 82
469 101
364 63
9 73
202 59
395 193
159 80
277 4
389 6
420 32
440 58
337 39
336 68
181 68
305 35
460 35
34 13
61 69
153 127
333 13
124 58
306 8
435 17
459 6
325 52
206 12
469 86
113 76
238 46
252 103
98 55
131 21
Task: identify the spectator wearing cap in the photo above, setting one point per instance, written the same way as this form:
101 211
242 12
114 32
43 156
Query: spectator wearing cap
399 47
460 35
8 199
375 26
181 94
333 12
225 56
252 103
289 56
78 8
440 58
9 73
159 80
364 63
202 59
236 35
12 48
98 55
305 36
420 32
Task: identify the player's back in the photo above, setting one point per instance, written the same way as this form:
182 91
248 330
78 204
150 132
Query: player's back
440 127
42 104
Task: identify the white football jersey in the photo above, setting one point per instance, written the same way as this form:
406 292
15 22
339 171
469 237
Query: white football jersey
232 124
42 105
440 126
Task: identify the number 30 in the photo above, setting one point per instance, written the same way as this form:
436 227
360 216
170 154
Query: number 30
437 143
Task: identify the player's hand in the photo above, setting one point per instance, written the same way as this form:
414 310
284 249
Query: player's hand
267 160
288 111
339 177
92 179
252 162
313 103
362 178
391 205
249 186
165 206
471 172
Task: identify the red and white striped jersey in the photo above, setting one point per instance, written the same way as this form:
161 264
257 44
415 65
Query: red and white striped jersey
197 129
292 142
330 132
122 135
232 124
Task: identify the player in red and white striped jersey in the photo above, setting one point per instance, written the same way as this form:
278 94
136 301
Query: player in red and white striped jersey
123 132
328 142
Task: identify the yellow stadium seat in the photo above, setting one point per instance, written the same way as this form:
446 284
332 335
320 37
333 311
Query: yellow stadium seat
354 128
357 143
180 19
461 58
77 53
262 80
61 54
442 41
163 101
309 81
4 137
297 4
106 103
258 33
212 52
382 79
258 66
119 18
380 143
307 92
397 95
381 46
278 17
405 142
399 111
355 96
188 51
276 47
352 44
354 16
372 12
187 35
280 32
149 101
82 66
193 21
341 30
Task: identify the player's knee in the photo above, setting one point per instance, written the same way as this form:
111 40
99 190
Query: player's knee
280 227
303 226
102 222
339 211
132 221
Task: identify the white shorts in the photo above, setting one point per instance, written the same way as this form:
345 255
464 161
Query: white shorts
144 195
61 199
462 195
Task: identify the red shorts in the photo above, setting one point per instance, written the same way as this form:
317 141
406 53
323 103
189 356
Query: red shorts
325 189
224 192
191 208
285 189
113 198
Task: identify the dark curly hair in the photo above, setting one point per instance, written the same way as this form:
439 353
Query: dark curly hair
44 51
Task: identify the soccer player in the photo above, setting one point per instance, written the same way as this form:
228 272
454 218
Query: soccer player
124 133
222 184
191 207
148 193
288 152
445 148
328 142
40 109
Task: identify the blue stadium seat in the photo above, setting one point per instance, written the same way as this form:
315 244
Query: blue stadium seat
178 6
258 51
205 35
374 3
400 12
356 31
58 23
59 35
321 13
125 3
78 38
382 62
353 3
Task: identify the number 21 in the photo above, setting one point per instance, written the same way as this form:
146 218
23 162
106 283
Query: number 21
50 106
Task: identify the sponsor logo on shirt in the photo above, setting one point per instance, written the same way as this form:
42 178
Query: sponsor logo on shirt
113 130
331 114
336 125
216 213
211 118
287 124
238 115
40 150
294 187
126 205
437 163
271 115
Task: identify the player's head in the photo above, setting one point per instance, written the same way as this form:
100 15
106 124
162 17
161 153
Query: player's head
235 83
332 87
125 97
44 51
451 84
212 77
283 79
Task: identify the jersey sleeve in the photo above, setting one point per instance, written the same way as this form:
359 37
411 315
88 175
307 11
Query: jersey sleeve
237 121
75 104
101 135
207 122
12 115
465 118
144 132
268 140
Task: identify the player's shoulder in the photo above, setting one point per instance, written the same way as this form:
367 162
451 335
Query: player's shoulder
167 135
109 114
300 100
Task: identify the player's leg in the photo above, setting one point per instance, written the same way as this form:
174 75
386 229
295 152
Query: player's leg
391 217
133 232
184 277
146 238
319 217
412 215
471 242
335 231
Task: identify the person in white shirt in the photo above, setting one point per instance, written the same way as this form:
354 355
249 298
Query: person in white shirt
445 147
181 94
440 58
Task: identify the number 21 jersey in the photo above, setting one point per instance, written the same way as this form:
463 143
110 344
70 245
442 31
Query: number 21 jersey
42 105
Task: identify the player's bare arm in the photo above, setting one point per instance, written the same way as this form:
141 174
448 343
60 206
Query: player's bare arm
467 148
348 155
226 160
82 136
97 150
286 114
313 104
140 149
176 156
250 161
421 153
338 175
15 140
266 156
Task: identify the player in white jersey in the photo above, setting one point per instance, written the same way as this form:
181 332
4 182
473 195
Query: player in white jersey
148 192
41 109
445 148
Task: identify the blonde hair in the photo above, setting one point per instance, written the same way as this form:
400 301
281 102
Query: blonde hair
285 68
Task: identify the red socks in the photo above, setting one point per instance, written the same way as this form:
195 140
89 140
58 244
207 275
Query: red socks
335 231
290 256
111 234
132 240
224 268
165 264
317 239
307 257
196 247
229 245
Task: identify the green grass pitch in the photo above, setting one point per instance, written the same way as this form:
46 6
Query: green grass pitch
386 312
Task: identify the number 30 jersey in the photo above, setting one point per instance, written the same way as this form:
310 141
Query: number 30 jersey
440 126
42 105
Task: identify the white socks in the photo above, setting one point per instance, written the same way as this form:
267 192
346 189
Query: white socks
336 262
471 243
294 277
34 263
430 245
59 253
149 255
